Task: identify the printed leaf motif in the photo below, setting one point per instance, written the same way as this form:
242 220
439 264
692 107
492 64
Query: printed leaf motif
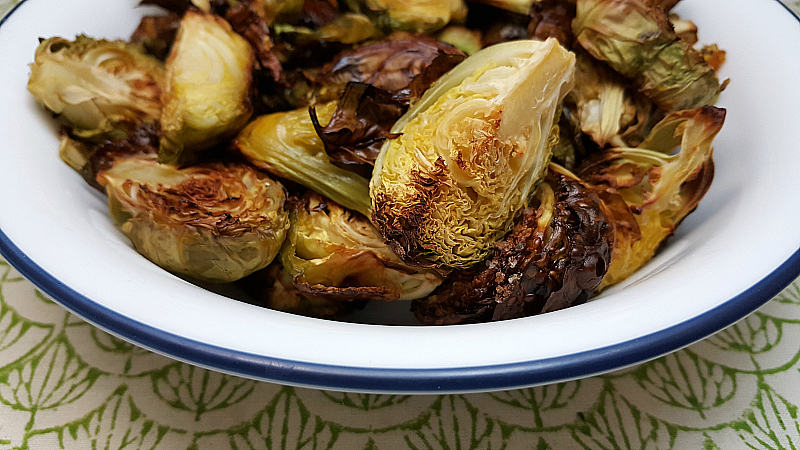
615 424
790 295
683 380
197 390
539 401
112 355
773 423
286 424
18 337
757 333
18 294
118 424
456 424
365 402
53 378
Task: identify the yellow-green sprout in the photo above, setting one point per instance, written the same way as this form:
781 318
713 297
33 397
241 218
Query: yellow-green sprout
471 151
208 87
97 87
637 40
215 222
332 250
287 145
659 187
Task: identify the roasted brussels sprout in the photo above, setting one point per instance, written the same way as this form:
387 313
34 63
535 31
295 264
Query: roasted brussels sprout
330 250
661 188
363 119
606 109
207 93
89 158
392 65
287 145
555 257
97 87
471 152
216 222
274 288
637 40
416 16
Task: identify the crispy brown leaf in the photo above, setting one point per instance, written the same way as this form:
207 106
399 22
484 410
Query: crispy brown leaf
156 34
555 257
389 64
552 18
319 13
362 121
245 20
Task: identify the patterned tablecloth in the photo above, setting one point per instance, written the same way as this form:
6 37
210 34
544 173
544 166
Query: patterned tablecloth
66 384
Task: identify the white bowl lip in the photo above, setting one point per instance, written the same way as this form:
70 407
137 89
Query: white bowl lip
408 381
478 378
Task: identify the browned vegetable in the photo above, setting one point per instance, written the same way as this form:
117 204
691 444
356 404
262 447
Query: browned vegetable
552 18
555 257
156 34
659 187
391 65
213 222
637 40
362 121
89 158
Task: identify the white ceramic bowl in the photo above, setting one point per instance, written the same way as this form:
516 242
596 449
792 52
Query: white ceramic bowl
738 249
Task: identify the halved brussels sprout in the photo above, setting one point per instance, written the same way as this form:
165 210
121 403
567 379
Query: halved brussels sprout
330 250
661 188
208 86
89 158
637 40
287 145
471 151
607 110
555 257
215 222
416 16
274 288
97 87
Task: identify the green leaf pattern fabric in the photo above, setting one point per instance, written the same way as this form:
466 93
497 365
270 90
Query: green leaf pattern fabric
65 384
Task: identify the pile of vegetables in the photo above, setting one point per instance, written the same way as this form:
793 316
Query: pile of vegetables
485 160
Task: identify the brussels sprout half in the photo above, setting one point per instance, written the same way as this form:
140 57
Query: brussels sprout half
637 40
208 87
659 187
331 251
470 153
97 87
287 145
555 257
215 222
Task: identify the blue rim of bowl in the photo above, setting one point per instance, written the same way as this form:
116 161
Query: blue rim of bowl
420 381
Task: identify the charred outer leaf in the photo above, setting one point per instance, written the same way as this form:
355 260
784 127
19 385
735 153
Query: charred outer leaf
555 257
